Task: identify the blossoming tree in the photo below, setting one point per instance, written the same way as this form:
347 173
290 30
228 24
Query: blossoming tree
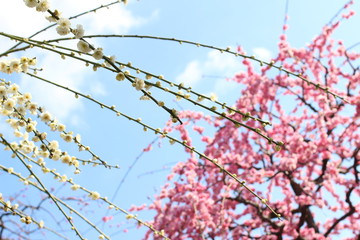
312 181
282 164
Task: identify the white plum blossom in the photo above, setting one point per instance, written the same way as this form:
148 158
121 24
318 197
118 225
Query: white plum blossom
7 206
31 3
13 123
42 6
54 17
63 178
15 65
24 60
77 138
213 97
66 159
9 104
101 237
50 18
75 187
78 31
63 27
64 22
21 99
41 224
3 66
45 117
32 61
56 155
53 145
98 53
61 127
24 67
120 76
13 88
32 107
27 96
94 195
52 126
83 46
62 30
30 127
111 59
67 137
18 134
21 110
139 84
3 91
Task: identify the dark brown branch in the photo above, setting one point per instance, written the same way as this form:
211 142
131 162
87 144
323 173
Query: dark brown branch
349 213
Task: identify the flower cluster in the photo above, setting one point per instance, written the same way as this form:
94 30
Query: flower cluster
32 145
26 220
41 5
17 65
8 207
15 106
64 26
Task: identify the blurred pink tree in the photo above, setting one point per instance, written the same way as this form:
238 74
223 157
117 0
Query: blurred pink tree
312 182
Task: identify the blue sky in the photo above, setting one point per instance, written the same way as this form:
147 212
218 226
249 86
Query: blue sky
255 25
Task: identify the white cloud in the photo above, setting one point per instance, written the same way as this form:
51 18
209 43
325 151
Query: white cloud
20 20
217 64
262 54
222 86
97 89
56 100
120 19
221 62
23 21
117 19
191 75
